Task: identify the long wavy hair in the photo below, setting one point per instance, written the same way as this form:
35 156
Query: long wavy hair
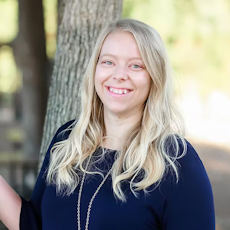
153 145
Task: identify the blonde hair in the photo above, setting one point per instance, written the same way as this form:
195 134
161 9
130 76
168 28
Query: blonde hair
150 149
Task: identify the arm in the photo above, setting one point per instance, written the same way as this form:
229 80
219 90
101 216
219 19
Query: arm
10 206
17 213
30 216
189 204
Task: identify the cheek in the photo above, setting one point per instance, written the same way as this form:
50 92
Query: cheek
100 75
145 89
97 78
96 75
144 83
97 87
98 82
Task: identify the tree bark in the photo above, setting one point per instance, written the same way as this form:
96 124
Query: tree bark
79 24
30 56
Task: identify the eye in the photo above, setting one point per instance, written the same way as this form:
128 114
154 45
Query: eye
135 66
107 62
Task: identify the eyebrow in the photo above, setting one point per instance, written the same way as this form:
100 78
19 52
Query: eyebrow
116 57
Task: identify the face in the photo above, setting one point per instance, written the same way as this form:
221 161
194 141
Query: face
121 79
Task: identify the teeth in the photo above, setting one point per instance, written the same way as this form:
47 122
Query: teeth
118 91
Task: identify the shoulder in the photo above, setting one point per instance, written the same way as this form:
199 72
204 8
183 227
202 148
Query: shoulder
64 131
190 163
187 161
61 134
190 199
192 174
190 158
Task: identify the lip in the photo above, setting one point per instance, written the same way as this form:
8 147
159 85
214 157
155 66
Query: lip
117 95
118 88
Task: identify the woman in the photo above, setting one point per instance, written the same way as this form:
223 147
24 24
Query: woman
124 164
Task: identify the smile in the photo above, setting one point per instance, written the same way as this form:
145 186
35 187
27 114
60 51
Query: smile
118 92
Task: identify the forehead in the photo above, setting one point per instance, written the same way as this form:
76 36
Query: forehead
120 44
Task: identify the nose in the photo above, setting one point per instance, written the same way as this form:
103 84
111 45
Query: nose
120 73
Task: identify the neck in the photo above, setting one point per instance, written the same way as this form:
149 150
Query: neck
117 127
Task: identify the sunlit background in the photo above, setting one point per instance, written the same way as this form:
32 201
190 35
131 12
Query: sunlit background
197 38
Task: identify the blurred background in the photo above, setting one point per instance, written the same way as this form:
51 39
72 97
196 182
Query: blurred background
197 38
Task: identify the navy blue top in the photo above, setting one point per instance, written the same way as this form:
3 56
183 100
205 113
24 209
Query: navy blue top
186 205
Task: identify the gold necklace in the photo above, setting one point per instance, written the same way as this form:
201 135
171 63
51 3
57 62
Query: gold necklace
92 199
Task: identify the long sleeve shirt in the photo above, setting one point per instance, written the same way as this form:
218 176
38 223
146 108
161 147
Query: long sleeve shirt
186 205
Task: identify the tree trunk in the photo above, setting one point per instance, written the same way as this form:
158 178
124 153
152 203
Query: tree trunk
79 24
30 56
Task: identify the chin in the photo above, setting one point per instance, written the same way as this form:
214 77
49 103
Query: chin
116 110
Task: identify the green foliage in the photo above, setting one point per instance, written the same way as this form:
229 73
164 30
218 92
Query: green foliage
129 7
8 20
10 78
50 14
15 134
196 35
